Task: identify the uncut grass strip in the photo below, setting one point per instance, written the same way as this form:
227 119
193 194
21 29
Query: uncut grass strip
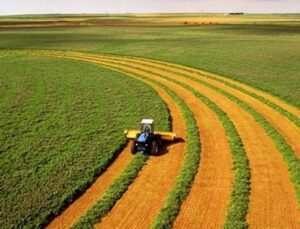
238 206
114 192
293 118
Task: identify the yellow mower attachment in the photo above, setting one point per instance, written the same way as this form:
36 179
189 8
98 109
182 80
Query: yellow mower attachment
163 135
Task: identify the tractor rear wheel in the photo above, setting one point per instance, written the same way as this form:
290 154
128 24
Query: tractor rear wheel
154 149
133 148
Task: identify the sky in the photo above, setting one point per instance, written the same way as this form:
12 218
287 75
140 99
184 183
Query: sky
8 7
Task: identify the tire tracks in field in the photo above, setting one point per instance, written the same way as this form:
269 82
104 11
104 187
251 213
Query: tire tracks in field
272 200
269 172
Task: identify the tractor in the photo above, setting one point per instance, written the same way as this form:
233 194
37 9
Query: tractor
146 140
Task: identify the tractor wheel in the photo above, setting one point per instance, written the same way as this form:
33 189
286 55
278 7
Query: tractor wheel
154 149
133 148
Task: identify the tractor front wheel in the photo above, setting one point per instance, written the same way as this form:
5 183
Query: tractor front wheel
154 149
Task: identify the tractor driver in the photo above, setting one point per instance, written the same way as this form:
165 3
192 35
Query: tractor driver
147 128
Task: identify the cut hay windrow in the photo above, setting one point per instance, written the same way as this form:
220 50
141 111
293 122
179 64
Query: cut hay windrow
272 101
289 156
283 147
290 132
166 212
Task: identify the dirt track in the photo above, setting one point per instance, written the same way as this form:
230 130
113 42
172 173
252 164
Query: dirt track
272 201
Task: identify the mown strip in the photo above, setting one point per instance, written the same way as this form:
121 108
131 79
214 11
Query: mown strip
271 104
184 181
238 206
114 192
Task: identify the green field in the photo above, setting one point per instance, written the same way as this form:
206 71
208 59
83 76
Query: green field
270 53
62 121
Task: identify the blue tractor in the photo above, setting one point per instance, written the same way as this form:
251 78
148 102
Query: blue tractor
146 140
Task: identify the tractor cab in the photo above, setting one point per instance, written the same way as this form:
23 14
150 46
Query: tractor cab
145 141
147 126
